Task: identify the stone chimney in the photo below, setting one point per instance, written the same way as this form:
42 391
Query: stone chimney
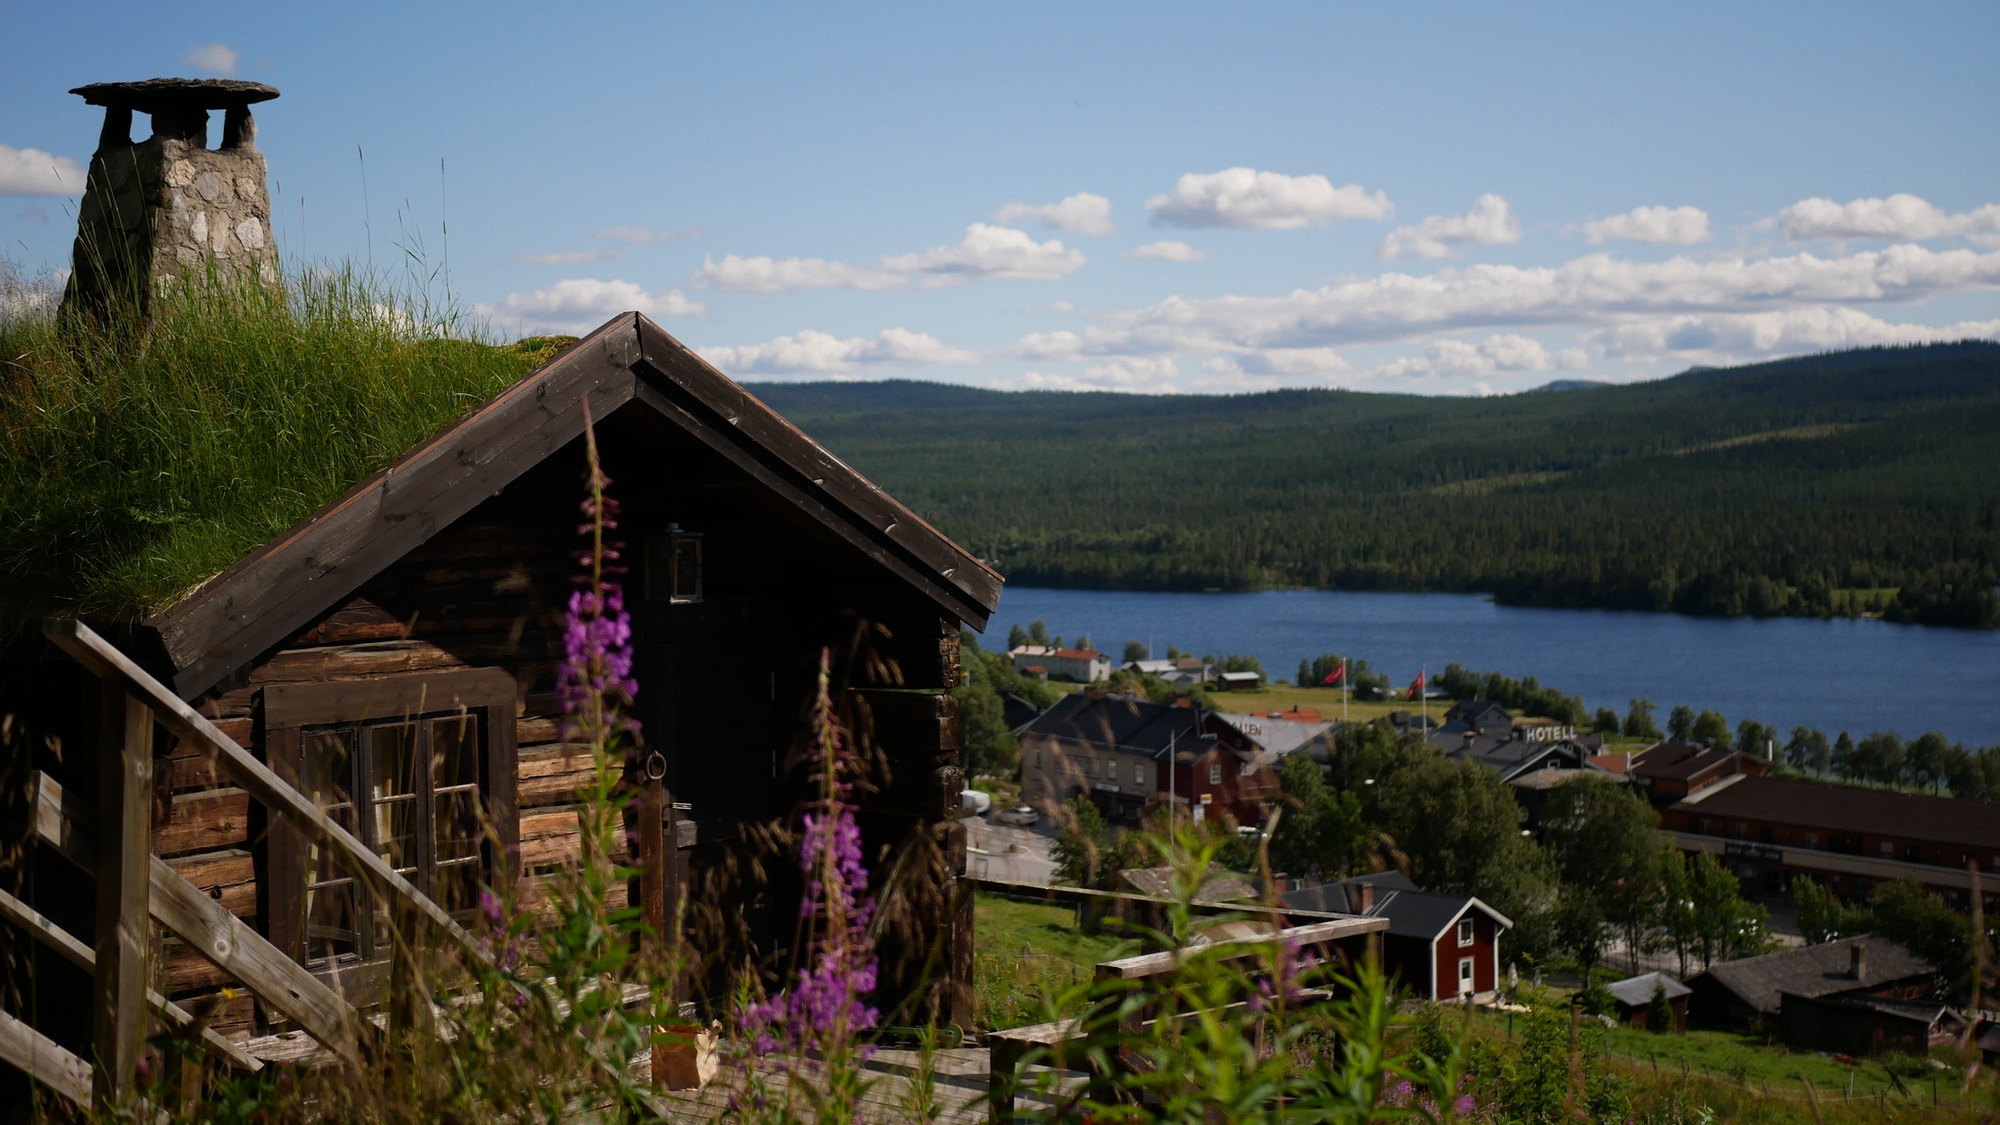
158 207
1364 897
1857 960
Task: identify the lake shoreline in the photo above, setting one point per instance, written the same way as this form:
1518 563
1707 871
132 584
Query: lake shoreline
1859 675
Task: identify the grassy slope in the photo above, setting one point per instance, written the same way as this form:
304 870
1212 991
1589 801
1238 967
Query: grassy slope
132 471
1852 463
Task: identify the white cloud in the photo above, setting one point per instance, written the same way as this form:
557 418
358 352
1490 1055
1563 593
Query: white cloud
215 58
1245 197
1280 361
30 171
1130 374
635 236
1903 217
1592 291
1489 223
986 252
1786 331
1495 355
570 257
581 304
1167 251
822 353
1083 213
1655 226
770 275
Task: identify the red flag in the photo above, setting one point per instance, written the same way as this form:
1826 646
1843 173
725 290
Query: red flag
1416 687
1338 674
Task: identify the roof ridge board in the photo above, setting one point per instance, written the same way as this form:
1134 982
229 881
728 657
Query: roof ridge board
205 632
673 360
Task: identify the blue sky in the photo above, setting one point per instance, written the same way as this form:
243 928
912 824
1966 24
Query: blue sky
1425 198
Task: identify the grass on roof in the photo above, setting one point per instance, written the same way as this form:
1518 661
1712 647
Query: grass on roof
141 458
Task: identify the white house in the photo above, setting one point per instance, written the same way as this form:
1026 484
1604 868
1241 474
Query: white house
1085 666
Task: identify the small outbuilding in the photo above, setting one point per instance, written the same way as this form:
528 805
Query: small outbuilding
1635 1001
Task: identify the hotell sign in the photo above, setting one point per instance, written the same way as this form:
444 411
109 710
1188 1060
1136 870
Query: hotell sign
1548 734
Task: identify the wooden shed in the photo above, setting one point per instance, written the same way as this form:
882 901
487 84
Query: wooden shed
394 657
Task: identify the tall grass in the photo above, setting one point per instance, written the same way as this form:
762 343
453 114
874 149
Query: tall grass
140 457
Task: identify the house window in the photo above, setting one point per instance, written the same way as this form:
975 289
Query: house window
1888 850
673 566
1812 839
1139 773
1215 773
417 768
1743 832
1913 854
1038 759
409 790
1467 932
1465 984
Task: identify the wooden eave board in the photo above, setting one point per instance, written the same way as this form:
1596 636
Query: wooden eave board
281 587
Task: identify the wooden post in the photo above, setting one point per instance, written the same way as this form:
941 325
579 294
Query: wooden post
653 859
124 831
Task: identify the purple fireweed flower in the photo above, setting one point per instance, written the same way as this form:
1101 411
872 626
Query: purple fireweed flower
595 682
823 1006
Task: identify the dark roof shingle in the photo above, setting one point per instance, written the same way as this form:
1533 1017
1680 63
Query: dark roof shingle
1848 808
1816 970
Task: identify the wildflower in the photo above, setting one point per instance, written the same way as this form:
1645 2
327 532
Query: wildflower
823 1006
595 682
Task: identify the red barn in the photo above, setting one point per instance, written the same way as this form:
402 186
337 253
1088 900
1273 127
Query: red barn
1440 946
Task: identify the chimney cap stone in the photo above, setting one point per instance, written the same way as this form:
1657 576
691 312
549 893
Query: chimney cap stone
173 94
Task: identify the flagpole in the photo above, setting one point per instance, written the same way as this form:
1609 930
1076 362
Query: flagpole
1424 696
1343 689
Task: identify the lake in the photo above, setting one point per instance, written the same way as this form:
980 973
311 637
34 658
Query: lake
1858 676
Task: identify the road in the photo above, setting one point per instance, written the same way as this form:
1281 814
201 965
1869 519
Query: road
1002 851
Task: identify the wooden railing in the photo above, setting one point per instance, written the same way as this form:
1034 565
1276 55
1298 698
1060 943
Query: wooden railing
111 842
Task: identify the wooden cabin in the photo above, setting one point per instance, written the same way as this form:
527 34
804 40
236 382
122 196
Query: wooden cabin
395 657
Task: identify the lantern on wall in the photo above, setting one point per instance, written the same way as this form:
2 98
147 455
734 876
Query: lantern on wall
673 566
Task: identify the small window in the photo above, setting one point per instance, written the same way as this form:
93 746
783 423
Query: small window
1812 839
1038 759
1888 850
1467 932
1215 773
1913 854
1139 773
673 566
1743 832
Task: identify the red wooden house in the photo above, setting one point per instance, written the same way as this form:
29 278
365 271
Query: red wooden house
1439 946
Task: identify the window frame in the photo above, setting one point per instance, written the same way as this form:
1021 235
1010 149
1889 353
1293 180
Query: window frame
1468 932
287 711
1215 771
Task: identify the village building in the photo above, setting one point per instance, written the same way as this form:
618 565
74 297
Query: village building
1666 772
1753 991
1634 997
1771 830
1519 752
1439 946
1240 681
1117 749
1181 672
1280 734
1074 665
393 658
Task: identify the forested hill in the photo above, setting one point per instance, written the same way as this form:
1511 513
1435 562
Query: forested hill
1838 483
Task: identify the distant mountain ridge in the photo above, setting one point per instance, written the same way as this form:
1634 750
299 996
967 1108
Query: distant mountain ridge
1842 482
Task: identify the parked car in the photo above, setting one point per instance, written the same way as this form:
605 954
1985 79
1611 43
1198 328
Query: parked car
1020 815
972 802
